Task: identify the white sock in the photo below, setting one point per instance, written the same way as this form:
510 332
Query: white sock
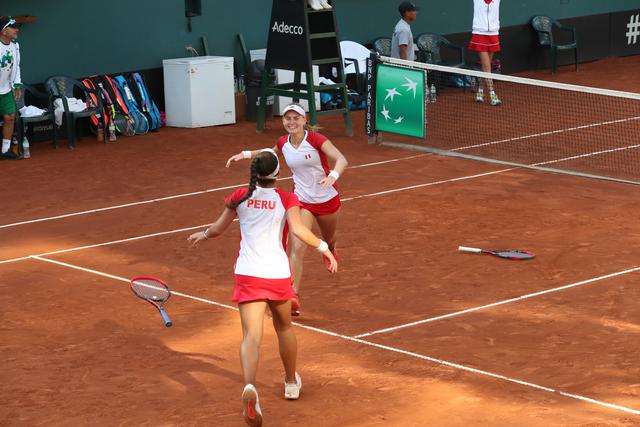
6 144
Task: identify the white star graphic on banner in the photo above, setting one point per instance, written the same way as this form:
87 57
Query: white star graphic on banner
411 86
391 93
398 120
385 112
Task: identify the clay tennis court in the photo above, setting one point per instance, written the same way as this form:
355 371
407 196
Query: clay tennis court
409 332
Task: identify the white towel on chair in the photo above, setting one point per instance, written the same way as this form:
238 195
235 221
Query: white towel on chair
75 105
31 111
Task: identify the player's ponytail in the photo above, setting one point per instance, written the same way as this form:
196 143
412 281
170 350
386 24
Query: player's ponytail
263 169
253 182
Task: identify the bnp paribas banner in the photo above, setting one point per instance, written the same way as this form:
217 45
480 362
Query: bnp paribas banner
400 100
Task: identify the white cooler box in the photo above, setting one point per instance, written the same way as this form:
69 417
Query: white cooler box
198 91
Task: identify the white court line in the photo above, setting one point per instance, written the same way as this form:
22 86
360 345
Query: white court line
195 193
122 279
552 132
428 184
495 304
581 156
127 205
113 242
382 347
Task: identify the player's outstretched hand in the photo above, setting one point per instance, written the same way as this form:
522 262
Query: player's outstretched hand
235 158
333 267
327 182
196 238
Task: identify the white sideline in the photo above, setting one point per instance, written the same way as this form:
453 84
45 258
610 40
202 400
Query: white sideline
428 184
495 304
122 279
177 196
380 346
113 242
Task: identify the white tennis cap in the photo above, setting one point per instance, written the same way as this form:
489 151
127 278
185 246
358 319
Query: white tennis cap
294 107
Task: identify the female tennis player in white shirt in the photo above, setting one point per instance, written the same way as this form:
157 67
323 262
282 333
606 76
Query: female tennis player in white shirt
262 272
308 154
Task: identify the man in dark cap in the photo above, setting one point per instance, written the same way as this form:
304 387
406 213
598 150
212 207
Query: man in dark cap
10 83
402 39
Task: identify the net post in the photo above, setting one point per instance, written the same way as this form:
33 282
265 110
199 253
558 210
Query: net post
370 114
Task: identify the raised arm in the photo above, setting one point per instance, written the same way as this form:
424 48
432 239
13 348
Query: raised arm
303 233
339 163
247 155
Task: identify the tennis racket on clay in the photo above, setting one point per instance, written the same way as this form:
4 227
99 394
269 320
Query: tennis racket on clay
155 292
512 254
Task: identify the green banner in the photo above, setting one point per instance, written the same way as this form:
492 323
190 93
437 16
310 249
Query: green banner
400 100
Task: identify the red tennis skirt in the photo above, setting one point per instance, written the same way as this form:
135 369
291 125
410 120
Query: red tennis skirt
324 208
484 43
249 288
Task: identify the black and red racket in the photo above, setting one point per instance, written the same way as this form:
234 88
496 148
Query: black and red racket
154 291
513 254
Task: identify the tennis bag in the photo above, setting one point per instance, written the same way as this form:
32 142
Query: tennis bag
146 103
92 101
141 124
117 113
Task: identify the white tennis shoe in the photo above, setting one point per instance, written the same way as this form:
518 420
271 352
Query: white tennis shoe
291 390
495 101
480 95
315 5
325 4
251 406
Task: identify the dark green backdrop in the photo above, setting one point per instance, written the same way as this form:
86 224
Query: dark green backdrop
82 37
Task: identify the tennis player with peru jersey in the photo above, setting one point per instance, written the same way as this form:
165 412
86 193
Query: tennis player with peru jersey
262 272
308 155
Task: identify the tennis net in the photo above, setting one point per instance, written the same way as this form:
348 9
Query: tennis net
538 124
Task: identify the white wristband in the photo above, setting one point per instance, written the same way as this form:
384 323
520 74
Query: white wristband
335 175
322 247
205 233
246 154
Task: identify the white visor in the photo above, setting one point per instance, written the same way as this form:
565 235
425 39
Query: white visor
11 23
294 107
273 174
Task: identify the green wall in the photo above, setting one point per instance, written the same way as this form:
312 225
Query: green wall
83 37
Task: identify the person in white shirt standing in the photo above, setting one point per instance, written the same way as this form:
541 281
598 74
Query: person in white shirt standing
308 154
10 83
402 40
485 41
262 272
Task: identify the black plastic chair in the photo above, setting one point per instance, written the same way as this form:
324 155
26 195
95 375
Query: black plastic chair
543 25
352 54
29 94
63 87
430 47
382 46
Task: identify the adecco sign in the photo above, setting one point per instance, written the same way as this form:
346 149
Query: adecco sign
288 47
287 29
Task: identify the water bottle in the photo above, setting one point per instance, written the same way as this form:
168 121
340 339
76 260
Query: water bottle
241 83
100 133
14 146
432 93
112 131
26 153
